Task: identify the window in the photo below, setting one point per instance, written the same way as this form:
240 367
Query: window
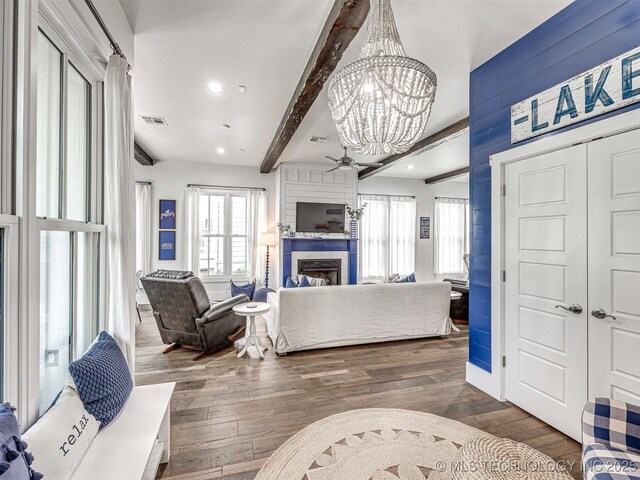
387 236
9 361
223 234
451 235
69 222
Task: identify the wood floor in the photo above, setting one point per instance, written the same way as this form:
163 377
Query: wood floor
229 414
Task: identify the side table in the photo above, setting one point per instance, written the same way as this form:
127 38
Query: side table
245 310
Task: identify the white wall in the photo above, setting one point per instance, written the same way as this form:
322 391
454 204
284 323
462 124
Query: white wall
425 195
169 180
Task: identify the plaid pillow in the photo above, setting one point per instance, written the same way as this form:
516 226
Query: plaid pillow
613 423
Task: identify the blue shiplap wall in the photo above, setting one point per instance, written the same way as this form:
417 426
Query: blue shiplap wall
583 35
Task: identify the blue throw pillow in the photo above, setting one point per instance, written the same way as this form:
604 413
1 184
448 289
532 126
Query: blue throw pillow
102 379
14 458
408 279
290 283
248 289
261 294
304 282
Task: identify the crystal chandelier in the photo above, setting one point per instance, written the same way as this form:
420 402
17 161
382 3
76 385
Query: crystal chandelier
381 103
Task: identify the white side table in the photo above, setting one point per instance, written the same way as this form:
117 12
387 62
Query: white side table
251 338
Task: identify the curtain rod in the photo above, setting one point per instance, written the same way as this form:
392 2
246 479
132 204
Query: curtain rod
225 187
103 26
144 183
385 195
453 198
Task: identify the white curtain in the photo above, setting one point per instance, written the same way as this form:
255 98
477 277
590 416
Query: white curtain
387 236
119 198
191 242
450 235
143 228
258 214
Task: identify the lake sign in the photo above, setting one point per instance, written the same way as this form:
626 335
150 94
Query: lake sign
609 86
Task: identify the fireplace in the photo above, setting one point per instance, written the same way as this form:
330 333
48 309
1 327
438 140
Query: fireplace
329 269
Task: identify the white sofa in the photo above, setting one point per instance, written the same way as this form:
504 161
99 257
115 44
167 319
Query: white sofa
321 317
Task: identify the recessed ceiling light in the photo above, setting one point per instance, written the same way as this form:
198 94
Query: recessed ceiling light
226 126
410 167
242 150
221 150
242 88
215 87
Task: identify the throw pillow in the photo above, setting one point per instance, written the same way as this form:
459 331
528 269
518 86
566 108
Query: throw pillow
60 439
261 294
290 283
314 281
14 458
249 289
102 379
304 283
392 278
408 279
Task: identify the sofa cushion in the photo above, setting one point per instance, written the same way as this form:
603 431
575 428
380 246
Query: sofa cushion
601 462
14 459
61 437
102 379
249 289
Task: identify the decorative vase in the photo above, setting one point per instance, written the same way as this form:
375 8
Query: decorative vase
354 229
292 234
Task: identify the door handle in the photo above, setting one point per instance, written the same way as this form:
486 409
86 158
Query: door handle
575 308
600 314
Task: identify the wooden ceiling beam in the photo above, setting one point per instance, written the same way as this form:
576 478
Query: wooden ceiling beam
432 141
447 176
344 21
141 156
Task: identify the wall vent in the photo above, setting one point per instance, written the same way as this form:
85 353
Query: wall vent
315 139
157 121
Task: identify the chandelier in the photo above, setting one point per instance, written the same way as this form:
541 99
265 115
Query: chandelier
381 103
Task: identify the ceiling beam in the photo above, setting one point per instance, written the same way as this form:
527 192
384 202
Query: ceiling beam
432 141
344 21
447 176
142 157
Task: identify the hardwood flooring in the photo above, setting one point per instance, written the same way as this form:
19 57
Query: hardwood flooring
229 414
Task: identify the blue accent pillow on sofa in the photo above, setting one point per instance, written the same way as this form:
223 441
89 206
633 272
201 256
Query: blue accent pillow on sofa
102 379
14 458
248 289
290 283
304 282
408 279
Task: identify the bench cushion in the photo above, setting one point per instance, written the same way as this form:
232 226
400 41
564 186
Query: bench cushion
60 439
102 379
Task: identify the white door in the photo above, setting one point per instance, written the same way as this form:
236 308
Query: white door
546 274
614 267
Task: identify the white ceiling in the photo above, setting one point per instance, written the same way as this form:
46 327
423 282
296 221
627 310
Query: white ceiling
180 45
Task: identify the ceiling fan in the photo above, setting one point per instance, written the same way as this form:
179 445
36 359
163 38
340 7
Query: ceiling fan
346 162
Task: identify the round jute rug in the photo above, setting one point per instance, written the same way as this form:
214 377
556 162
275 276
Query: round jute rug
375 443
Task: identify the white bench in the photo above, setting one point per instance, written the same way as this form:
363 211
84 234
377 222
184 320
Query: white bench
136 442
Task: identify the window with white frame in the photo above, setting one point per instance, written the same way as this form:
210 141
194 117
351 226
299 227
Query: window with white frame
387 235
68 196
450 235
224 241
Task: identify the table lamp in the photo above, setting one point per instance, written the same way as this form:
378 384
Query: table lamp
267 239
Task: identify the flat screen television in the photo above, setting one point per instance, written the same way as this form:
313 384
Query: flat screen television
320 217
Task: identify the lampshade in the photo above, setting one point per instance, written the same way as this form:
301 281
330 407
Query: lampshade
267 239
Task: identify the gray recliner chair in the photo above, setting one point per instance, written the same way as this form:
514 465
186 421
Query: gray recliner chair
185 316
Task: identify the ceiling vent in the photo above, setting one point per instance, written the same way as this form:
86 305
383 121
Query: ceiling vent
315 139
157 121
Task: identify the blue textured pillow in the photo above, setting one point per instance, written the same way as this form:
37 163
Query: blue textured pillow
304 282
290 283
412 278
102 379
248 289
14 458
